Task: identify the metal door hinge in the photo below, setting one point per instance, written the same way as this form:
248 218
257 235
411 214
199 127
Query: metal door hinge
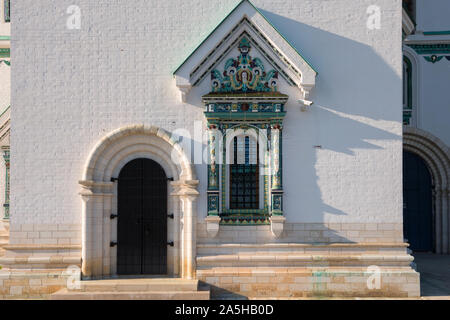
171 216
114 179
113 216
170 243
112 244
169 179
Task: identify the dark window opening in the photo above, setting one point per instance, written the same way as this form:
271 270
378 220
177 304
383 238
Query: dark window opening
244 174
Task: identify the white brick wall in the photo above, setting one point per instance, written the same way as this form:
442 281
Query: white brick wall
72 87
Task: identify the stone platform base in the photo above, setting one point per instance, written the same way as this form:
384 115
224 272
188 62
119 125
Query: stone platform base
290 270
135 289
285 283
32 284
4 235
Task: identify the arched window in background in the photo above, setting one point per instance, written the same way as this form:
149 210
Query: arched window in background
407 91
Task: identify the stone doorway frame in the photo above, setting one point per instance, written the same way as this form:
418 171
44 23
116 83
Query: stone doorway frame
437 157
99 199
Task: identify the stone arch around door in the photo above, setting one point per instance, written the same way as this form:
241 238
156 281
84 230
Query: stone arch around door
99 199
437 157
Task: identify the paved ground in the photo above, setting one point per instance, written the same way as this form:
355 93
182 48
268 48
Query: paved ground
434 275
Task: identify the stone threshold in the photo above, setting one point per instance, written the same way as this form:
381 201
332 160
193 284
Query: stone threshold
302 257
65 294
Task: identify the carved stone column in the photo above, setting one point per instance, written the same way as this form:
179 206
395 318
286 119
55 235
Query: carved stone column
86 231
188 197
437 194
445 221
93 240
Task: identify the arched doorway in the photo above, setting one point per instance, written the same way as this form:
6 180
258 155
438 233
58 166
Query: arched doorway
417 199
142 218
99 195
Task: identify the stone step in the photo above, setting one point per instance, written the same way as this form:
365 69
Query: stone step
65 294
4 226
138 285
301 259
206 249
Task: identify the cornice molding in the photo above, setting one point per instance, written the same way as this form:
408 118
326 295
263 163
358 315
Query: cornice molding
430 48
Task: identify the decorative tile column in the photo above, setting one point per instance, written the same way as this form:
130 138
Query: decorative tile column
277 220
6 157
213 219
277 183
213 171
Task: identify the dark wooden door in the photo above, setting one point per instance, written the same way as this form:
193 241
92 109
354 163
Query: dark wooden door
142 219
417 206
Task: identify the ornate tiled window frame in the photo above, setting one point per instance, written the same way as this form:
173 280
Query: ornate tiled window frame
287 63
253 119
6 157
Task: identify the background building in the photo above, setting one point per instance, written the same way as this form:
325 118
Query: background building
426 131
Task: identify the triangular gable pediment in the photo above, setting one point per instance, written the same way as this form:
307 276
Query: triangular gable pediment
245 21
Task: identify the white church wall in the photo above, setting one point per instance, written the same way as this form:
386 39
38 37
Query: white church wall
342 159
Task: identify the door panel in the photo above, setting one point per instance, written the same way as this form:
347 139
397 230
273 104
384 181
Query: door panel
142 219
417 198
155 220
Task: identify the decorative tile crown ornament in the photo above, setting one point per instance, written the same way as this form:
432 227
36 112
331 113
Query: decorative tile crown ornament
244 74
249 29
